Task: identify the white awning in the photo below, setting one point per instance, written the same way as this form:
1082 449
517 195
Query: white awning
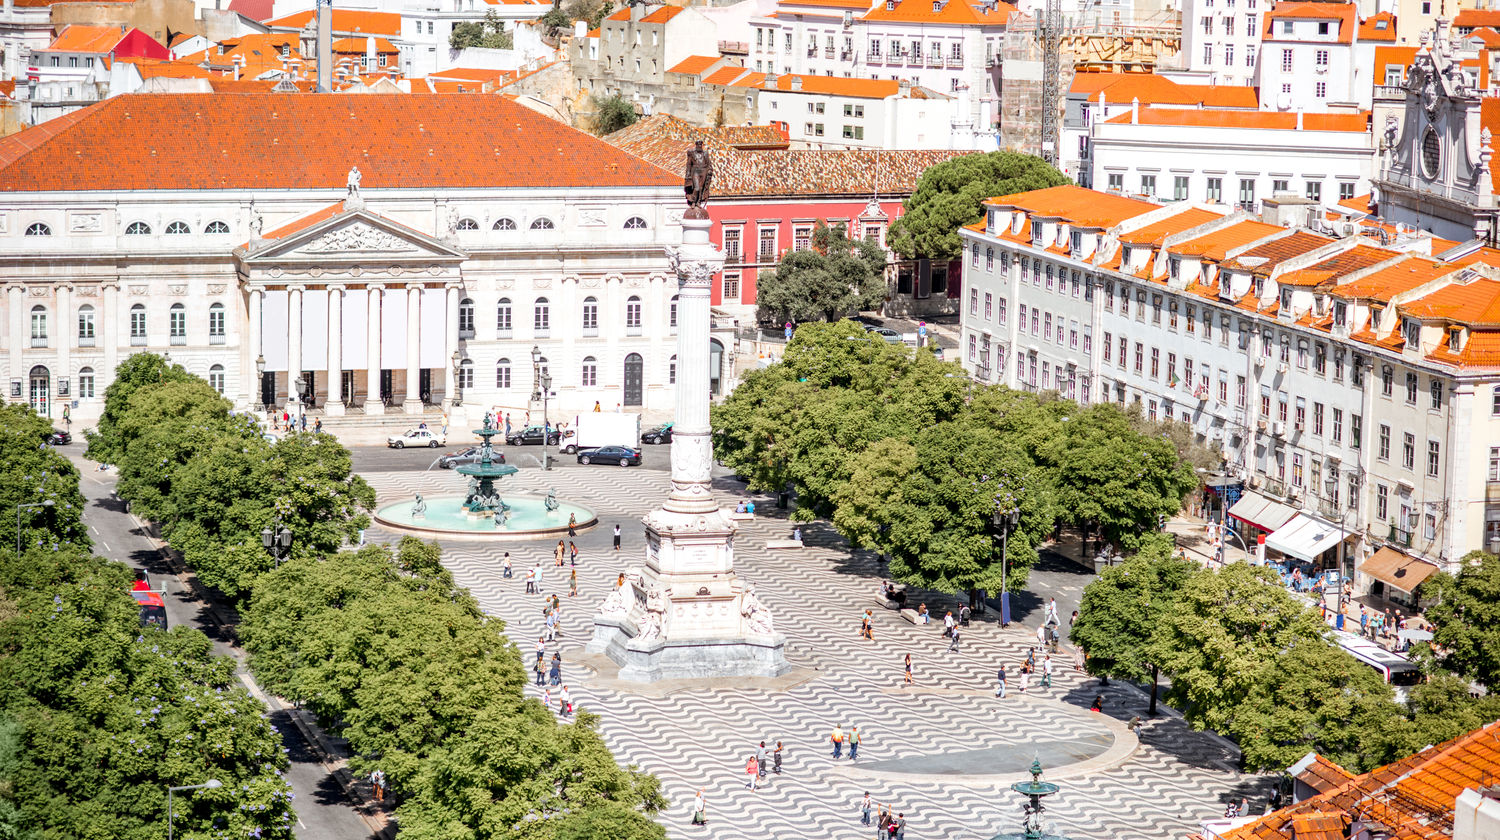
1261 512
1305 537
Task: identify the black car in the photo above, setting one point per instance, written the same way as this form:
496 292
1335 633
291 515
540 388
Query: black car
466 456
660 434
59 438
531 435
622 455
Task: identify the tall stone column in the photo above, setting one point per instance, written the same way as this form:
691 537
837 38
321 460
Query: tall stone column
293 345
695 263
64 337
373 403
111 337
15 301
413 402
256 349
335 405
450 344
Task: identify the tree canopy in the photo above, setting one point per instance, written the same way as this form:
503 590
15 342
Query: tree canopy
32 473
837 276
1466 618
489 33
612 113
950 195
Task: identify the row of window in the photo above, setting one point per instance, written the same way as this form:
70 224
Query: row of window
1409 450
177 320
540 223
1214 187
734 243
1406 519
588 371
173 229
541 315
218 227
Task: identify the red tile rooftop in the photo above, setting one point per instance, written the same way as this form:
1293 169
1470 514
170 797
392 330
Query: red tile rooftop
1268 120
1078 205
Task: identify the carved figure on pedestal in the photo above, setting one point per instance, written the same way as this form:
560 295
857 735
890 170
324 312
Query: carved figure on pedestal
551 502
651 630
419 508
757 616
354 179
697 176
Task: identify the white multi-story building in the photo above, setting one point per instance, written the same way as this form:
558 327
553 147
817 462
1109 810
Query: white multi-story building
1319 55
251 251
1221 38
1353 385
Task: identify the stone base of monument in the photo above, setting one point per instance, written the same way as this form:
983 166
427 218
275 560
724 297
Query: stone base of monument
686 658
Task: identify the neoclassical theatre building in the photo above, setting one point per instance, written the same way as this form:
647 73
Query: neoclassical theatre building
339 253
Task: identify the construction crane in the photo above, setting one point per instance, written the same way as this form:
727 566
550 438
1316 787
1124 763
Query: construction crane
1049 35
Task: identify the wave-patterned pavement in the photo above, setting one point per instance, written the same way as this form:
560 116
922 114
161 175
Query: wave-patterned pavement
702 738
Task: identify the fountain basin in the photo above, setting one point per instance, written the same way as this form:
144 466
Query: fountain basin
446 517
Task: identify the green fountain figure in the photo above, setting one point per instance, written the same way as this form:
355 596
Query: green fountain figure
1035 791
482 500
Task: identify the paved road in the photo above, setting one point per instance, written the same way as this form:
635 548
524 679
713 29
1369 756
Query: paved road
384 459
322 809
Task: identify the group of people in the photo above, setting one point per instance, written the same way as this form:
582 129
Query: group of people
839 738
888 827
765 760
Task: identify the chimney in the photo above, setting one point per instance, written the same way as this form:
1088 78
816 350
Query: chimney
797 83
637 11
1299 119
770 82
903 87
580 29
1135 111
325 46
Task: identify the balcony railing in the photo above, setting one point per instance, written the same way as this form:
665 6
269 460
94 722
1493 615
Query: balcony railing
1390 93
1400 535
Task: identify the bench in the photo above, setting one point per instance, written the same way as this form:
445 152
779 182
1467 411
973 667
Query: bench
783 544
741 517
912 616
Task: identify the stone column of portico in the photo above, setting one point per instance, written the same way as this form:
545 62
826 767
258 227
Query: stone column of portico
373 403
293 345
335 405
696 262
257 346
110 336
65 332
16 301
450 345
413 402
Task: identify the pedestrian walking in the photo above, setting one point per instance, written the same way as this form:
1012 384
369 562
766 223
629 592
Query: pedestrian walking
572 583
377 781
554 671
505 569
1025 677
1041 635
963 616
541 648
1046 672
900 833
1001 683
700 809
908 670
854 743
617 537
572 524
565 702
531 581
776 759
752 769
1052 612
760 759
318 426
547 698
867 626
572 552
551 624
838 741
1074 620
953 641
864 809
948 624
537 576
560 552
540 674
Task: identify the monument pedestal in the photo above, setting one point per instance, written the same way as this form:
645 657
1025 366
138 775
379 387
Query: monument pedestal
684 614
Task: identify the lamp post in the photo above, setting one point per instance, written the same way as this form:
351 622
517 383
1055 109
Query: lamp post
543 389
260 381
1005 522
1225 531
19 508
458 383
277 541
210 784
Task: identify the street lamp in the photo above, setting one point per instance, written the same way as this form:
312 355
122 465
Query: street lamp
543 389
19 508
1226 531
1005 522
458 364
210 784
277 542
260 380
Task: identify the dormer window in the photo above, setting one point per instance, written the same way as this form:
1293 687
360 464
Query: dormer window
890 5
1174 267
1259 285
1341 314
1455 339
937 6
1413 332
1077 244
1036 234
1286 299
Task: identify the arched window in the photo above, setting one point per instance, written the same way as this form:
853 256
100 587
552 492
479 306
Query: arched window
505 224
543 223
86 383
216 323
468 224
591 315
178 228
38 229
541 316
217 227
85 326
466 374
138 229
38 326
635 223
590 372
633 315
177 323
502 374
502 317
466 318
216 378
672 313
672 370
138 324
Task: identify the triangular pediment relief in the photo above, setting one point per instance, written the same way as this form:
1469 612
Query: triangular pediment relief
354 235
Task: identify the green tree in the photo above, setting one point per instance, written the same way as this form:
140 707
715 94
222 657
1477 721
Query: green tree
137 371
951 194
488 33
1121 611
31 474
836 277
592 12
556 23
1466 618
612 113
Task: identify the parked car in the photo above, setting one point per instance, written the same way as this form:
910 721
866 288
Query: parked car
416 437
622 455
659 434
59 438
886 333
532 435
466 456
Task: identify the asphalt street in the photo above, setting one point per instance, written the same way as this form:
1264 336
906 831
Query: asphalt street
385 459
323 811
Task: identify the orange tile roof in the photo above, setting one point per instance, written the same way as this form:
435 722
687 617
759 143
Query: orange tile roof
951 12
306 221
1486 36
856 5
1360 203
346 21
1345 13
1076 205
1482 349
1378 27
357 46
471 74
1214 246
812 84
1393 280
593 33
1263 259
694 64
1476 304
1411 799
1388 56
1476 18
1336 266
1323 775
151 68
660 15
1154 233
273 141
1278 120
1151 89
78 38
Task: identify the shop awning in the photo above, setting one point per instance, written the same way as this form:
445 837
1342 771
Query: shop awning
1305 537
1261 512
1396 569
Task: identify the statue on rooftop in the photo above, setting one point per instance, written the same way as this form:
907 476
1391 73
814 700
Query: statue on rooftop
696 178
354 178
